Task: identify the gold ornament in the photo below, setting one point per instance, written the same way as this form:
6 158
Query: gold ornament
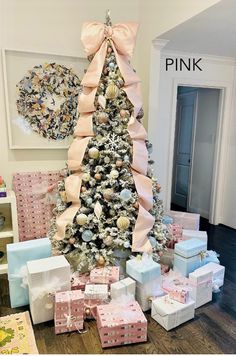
93 153
83 189
87 311
123 223
63 196
81 219
114 174
72 240
108 194
108 241
119 163
98 176
102 118
101 261
136 205
86 177
112 91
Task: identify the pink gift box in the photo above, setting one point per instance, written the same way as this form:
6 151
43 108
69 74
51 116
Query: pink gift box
79 281
180 295
188 221
69 311
120 324
173 281
175 230
105 275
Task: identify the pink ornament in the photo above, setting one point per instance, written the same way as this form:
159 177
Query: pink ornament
122 113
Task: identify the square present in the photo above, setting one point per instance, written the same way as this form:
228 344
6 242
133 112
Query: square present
145 292
143 269
218 273
94 295
201 283
188 221
169 313
45 277
194 234
189 255
69 311
120 324
105 275
17 255
79 280
125 286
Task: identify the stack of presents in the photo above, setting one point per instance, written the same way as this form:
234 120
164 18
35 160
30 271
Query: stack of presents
117 302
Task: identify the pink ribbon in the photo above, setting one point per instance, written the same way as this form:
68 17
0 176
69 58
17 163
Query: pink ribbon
95 37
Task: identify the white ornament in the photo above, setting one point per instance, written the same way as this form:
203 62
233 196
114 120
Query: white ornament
102 101
93 152
86 177
126 244
98 209
114 174
81 219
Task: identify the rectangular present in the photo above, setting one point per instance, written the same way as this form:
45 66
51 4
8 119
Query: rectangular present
188 255
201 283
173 280
94 295
69 311
125 286
79 280
105 275
17 255
120 324
45 277
218 272
169 313
143 269
180 295
145 292
194 234
188 221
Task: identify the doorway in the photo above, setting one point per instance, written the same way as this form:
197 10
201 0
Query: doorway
197 116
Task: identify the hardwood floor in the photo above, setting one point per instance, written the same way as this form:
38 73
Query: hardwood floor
213 329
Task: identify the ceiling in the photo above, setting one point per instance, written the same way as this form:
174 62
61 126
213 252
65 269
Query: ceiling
213 32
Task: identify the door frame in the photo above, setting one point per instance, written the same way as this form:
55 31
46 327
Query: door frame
219 164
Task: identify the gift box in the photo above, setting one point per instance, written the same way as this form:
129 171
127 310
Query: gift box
105 275
94 295
125 286
201 283
143 269
180 295
218 273
46 277
193 234
145 292
69 311
79 281
188 221
189 255
17 255
169 313
175 230
167 220
120 324
176 286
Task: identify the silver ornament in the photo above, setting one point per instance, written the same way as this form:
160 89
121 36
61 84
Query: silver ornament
126 244
125 195
153 241
87 235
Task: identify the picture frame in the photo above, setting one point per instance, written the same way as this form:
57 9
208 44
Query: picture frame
16 63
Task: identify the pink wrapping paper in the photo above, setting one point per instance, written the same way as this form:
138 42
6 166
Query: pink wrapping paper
174 281
120 324
79 281
69 311
105 275
180 295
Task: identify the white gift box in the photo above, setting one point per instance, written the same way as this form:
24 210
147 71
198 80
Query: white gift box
170 313
188 221
194 234
45 277
201 287
96 291
125 286
147 290
218 273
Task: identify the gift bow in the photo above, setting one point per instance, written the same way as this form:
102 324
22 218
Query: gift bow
23 275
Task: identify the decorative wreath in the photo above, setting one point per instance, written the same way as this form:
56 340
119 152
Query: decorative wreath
48 99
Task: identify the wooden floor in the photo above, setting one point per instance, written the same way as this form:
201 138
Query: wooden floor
213 329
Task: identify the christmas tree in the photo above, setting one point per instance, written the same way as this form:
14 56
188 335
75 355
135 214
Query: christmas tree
108 200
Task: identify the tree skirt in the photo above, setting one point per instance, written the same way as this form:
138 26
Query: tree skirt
17 335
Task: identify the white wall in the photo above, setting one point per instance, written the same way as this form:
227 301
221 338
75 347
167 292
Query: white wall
54 26
203 151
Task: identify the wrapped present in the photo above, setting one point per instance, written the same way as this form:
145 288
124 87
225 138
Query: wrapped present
125 286
211 256
180 295
94 295
143 269
17 255
189 255
194 234
173 280
79 280
188 221
121 324
218 273
169 313
175 230
145 292
46 277
201 291
105 275
166 220
69 311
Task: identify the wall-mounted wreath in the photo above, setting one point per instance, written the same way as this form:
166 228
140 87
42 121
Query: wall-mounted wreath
48 100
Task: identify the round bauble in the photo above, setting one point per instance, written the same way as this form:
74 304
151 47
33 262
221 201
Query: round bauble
119 163
87 235
98 176
125 194
112 91
81 219
83 189
114 174
101 261
126 244
89 201
87 311
72 240
111 65
123 223
93 153
112 212
108 241
108 194
103 118
106 159
63 196
122 113
86 177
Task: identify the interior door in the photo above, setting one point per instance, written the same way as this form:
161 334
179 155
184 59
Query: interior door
185 122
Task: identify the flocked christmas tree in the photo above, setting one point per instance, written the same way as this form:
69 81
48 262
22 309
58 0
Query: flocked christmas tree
108 200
